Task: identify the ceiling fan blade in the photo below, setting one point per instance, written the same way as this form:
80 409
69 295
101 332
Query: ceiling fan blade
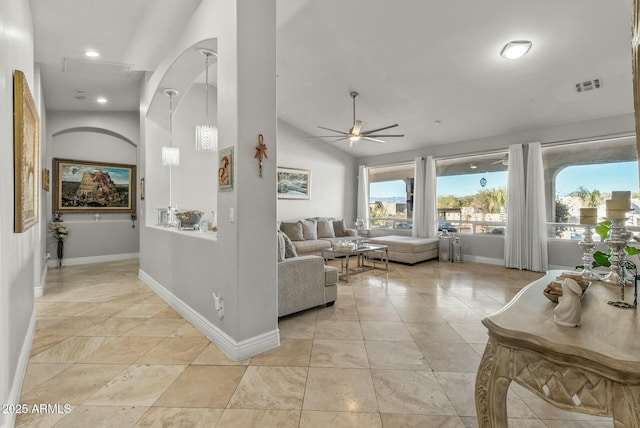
333 130
357 125
383 135
375 140
339 139
379 129
325 136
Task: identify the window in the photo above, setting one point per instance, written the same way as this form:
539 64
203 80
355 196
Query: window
472 193
584 174
391 196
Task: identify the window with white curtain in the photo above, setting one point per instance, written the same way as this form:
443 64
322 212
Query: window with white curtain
472 193
583 174
391 196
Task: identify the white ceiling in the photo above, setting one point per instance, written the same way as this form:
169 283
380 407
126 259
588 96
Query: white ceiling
414 62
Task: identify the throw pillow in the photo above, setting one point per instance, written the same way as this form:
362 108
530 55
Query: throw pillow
339 228
293 230
289 249
325 229
281 246
310 229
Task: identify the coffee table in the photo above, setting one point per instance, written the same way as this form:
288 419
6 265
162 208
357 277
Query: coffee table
361 252
594 368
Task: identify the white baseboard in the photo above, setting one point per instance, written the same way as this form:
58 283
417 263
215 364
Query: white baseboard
485 260
39 290
237 351
9 419
557 267
93 259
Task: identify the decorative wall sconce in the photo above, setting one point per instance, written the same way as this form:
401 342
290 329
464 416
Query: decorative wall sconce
206 134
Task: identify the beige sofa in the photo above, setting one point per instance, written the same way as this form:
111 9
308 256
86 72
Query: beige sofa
312 235
303 281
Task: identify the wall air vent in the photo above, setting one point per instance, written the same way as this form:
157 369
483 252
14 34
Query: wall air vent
588 85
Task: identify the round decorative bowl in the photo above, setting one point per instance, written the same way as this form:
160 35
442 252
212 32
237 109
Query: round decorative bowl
553 291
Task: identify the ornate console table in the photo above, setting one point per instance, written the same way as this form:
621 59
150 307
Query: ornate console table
594 368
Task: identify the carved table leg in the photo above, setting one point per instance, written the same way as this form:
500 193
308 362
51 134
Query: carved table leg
626 406
492 385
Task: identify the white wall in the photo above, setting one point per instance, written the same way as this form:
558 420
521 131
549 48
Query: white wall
491 247
333 176
110 138
18 251
240 265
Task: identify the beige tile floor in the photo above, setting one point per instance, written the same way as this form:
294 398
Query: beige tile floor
398 349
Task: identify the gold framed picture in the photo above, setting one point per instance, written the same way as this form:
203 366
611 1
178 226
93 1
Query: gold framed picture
26 154
45 179
86 186
225 169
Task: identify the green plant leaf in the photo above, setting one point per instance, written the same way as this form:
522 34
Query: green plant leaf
632 251
603 229
601 259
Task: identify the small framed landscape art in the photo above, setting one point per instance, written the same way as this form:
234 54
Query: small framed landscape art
225 169
86 186
294 183
26 152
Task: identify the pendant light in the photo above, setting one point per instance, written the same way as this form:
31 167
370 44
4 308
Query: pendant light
170 155
206 134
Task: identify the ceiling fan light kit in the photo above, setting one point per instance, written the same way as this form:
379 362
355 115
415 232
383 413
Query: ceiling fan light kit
356 134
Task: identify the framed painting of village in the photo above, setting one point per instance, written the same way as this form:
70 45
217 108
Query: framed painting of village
85 186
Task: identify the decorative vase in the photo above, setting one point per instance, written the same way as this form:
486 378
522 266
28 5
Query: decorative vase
60 252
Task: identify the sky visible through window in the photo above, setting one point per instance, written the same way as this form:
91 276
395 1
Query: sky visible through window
603 177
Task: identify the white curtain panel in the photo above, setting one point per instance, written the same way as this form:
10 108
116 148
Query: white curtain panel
362 208
514 234
420 229
535 245
431 198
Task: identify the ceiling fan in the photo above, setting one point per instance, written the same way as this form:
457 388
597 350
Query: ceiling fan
356 134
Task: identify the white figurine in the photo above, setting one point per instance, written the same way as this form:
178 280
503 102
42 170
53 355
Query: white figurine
569 309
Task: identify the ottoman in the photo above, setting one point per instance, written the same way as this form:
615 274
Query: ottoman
407 249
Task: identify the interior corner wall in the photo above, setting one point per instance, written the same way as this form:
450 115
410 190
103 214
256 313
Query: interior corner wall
96 137
333 176
17 250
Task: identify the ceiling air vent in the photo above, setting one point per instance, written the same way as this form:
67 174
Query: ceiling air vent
588 85
72 65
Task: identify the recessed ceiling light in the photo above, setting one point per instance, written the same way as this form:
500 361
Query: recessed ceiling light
101 100
473 166
91 53
515 49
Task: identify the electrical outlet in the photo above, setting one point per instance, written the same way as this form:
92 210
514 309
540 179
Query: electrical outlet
219 305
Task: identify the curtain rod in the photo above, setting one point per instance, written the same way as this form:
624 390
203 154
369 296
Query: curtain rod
606 137
600 138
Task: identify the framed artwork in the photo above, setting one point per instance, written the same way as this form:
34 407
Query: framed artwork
294 183
45 179
26 155
85 186
225 169
142 189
